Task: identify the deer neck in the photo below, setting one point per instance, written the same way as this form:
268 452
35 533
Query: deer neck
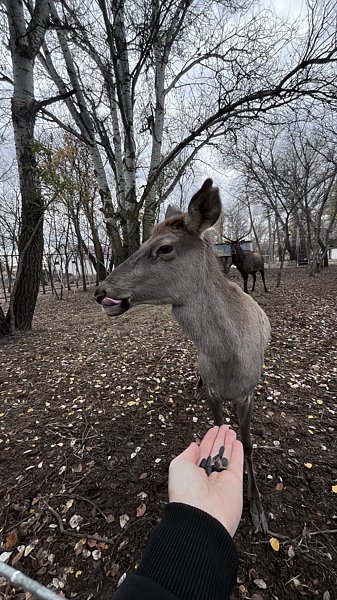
204 316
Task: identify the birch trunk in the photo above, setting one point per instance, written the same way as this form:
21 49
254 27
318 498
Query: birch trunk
25 42
84 122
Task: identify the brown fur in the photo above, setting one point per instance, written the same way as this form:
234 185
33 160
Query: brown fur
178 266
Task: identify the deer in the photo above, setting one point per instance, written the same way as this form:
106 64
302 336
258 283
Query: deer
248 263
177 265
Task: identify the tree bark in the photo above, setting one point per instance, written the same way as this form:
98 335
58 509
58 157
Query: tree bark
25 42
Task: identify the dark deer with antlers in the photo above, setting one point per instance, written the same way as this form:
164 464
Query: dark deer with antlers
178 266
248 263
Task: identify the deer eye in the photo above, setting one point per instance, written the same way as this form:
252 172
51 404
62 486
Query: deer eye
165 249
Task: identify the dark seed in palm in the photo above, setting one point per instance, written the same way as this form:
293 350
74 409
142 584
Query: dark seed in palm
203 463
216 457
221 451
208 466
217 469
224 462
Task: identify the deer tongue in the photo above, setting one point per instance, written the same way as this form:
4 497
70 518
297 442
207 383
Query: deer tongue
110 302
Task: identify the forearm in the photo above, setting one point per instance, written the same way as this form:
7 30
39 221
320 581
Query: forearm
189 556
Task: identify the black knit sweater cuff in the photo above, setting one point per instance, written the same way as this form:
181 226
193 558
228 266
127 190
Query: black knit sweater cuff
191 555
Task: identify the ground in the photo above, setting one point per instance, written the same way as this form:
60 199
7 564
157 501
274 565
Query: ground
93 409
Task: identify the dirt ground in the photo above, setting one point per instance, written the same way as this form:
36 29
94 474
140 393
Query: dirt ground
93 409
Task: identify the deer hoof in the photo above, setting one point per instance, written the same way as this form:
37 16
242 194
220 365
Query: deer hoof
258 519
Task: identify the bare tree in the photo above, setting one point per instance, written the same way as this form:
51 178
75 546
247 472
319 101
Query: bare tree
164 79
27 29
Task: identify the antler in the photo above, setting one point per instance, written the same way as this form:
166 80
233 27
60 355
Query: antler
243 236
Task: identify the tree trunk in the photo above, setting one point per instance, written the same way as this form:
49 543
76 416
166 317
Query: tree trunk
30 244
25 41
4 327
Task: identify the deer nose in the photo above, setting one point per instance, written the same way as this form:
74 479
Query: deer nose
99 295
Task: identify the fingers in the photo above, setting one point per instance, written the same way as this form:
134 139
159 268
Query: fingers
237 458
233 449
192 453
207 442
220 440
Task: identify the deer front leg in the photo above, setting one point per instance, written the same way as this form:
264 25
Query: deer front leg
198 390
244 411
216 406
254 281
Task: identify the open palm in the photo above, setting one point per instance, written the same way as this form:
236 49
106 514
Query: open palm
219 494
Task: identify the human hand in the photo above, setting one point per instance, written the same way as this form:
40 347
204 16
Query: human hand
219 494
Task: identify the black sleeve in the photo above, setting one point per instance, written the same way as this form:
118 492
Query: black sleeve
189 556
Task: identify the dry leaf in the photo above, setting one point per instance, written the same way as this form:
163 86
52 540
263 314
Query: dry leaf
143 476
279 486
334 489
308 465
243 589
291 552
78 548
141 510
75 521
30 547
4 556
68 505
11 540
275 544
109 518
17 557
77 469
123 519
260 584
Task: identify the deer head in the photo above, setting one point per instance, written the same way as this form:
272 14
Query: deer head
165 268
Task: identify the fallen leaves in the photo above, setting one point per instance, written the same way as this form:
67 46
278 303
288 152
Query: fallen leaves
123 520
275 544
141 510
260 584
75 521
11 540
79 422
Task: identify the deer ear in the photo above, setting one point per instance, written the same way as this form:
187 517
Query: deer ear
204 208
172 211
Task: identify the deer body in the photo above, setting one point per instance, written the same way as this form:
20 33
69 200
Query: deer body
178 266
248 263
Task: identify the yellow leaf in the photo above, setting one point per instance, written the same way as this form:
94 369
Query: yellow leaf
283 414
311 432
308 465
78 573
334 489
319 401
311 417
275 544
30 410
